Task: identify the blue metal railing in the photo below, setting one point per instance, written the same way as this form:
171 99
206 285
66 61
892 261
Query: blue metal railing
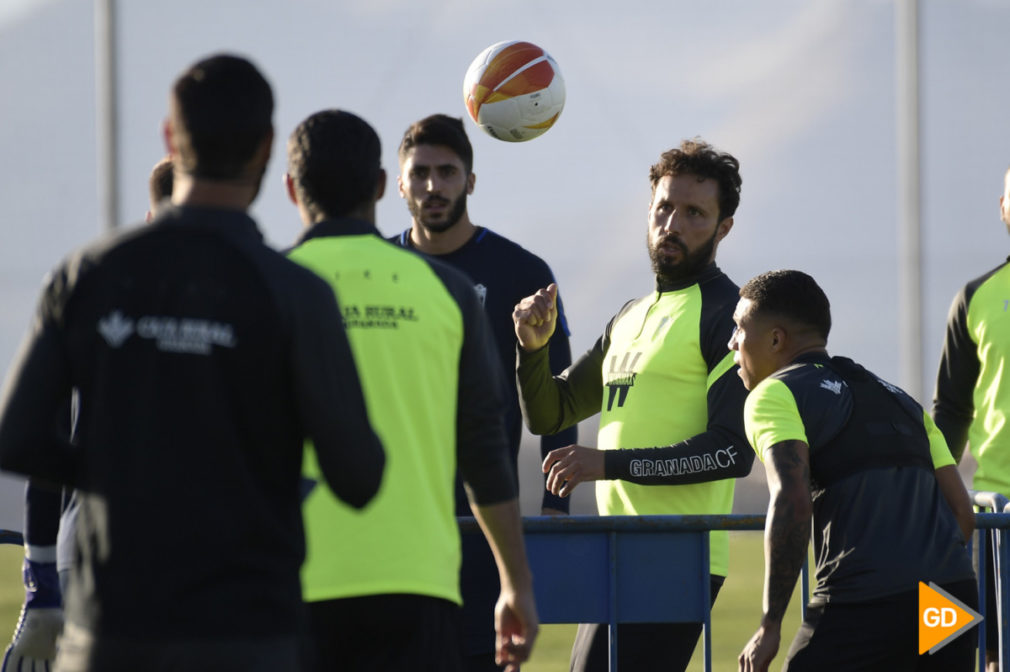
11 537
625 561
542 558
569 553
997 523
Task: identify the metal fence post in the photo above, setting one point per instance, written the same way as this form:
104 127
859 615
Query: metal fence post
998 504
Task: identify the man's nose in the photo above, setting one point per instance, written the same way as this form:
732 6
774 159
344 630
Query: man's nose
672 222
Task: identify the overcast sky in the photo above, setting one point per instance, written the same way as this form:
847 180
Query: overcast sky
801 91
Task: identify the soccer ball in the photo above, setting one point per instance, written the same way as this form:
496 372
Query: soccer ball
514 91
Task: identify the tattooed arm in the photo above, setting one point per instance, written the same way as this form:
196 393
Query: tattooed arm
787 534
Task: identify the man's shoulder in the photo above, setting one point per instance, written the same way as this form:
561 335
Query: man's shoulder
805 375
400 239
450 275
630 306
997 279
507 250
817 391
719 288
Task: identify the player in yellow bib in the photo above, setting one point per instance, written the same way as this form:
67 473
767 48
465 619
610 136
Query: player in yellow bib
662 379
382 584
971 404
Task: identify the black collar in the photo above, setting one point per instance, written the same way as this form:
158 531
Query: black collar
707 273
225 221
339 226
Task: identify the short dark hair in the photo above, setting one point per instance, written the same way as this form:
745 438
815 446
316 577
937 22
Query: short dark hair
221 112
159 184
334 158
792 295
697 157
439 129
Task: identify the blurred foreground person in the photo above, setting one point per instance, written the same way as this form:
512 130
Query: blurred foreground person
202 360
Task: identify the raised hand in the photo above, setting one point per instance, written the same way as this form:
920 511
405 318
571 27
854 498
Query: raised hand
535 318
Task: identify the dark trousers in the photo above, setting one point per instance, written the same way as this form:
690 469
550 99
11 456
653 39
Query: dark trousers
641 647
80 651
381 633
880 635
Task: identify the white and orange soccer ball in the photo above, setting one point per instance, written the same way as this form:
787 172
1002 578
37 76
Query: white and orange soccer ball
514 91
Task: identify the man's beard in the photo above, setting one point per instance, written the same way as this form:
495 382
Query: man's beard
691 263
453 215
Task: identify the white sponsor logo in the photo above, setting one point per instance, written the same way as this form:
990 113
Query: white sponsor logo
115 328
170 334
481 293
832 386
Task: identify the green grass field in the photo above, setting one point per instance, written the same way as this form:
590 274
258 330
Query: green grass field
734 619
12 593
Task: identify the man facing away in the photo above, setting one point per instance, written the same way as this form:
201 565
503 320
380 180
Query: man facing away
202 360
971 404
659 376
383 584
436 178
49 522
865 462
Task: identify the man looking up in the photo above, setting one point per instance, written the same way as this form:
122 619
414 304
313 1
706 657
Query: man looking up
660 375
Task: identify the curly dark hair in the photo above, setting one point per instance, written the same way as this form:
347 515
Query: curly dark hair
792 295
697 157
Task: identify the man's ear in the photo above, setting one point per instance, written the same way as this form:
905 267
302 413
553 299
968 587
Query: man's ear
723 228
380 185
167 135
289 186
778 336
471 180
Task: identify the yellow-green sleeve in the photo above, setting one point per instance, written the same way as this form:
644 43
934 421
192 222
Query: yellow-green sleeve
938 449
771 416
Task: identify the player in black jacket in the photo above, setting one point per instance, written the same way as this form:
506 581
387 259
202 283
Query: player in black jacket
863 461
202 360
